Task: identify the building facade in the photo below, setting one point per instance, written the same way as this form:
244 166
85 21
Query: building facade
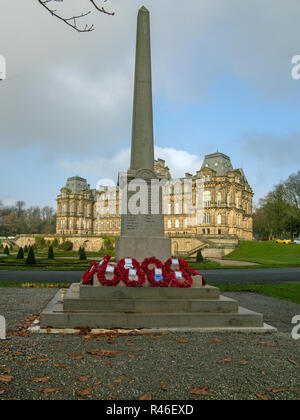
226 206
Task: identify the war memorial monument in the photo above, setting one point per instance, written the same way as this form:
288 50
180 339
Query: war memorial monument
199 307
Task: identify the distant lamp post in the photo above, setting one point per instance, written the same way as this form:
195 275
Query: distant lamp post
2 68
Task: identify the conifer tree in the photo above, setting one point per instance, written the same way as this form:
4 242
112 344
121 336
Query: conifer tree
20 255
31 257
50 253
82 255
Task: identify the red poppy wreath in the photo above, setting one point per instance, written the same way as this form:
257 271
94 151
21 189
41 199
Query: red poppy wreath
127 267
157 277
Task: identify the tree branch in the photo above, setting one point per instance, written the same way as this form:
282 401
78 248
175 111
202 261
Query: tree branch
72 21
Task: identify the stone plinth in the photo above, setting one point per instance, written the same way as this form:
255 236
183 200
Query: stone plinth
197 308
141 248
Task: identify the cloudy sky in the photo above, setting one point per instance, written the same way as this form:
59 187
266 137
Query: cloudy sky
221 80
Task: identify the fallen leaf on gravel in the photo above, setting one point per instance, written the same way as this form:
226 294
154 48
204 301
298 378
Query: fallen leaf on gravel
59 366
41 380
132 355
225 361
243 362
163 387
275 390
130 344
6 378
262 397
293 362
263 372
267 344
79 358
85 392
160 369
2 391
108 353
43 360
216 340
201 391
146 397
180 340
84 378
117 381
112 397
50 390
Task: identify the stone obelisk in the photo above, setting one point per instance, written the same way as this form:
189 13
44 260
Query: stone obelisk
142 232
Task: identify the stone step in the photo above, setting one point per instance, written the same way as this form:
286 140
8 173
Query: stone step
54 317
162 305
206 292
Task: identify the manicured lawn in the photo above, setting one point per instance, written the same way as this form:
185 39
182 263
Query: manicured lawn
63 261
267 253
290 292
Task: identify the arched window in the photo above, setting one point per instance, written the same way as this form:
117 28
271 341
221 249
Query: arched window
219 198
219 219
64 209
207 198
177 223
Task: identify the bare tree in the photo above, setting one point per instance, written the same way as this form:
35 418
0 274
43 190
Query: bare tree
72 21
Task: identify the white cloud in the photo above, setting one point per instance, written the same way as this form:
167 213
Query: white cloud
179 162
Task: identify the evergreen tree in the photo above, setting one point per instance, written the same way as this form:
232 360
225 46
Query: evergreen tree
20 255
6 250
31 257
82 255
50 253
25 249
199 258
79 250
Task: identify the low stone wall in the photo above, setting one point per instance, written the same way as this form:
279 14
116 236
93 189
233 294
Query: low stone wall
223 245
90 243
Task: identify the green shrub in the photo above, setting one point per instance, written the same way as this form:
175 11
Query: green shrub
55 243
31 257
20 255
109 243
66 246
50 253
6 250
199 257
40 242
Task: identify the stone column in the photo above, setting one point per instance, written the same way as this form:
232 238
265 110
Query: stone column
142 234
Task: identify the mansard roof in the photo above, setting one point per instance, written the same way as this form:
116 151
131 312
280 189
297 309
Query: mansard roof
76 184
218 162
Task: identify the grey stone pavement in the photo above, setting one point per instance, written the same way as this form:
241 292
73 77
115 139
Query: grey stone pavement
226 366
267 275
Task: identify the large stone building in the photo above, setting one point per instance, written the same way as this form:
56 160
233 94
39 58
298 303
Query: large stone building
227 206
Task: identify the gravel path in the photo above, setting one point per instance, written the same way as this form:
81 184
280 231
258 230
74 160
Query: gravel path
161 365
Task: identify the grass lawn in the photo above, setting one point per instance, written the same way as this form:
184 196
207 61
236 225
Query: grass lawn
290 292
267 253
63 261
